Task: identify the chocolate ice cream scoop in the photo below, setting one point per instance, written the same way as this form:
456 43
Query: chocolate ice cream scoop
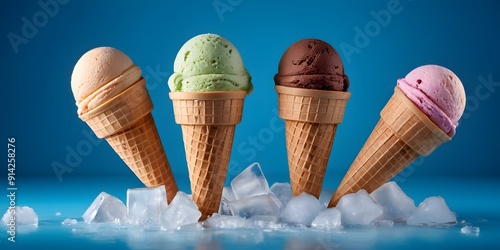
312 64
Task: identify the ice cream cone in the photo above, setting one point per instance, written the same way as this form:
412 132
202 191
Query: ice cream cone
402 134
208 121
311 119
125 121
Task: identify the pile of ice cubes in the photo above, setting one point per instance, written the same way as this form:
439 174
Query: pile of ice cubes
250 203
146 207
250 198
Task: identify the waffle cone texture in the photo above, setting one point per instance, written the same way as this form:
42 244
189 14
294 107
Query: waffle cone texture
311 119
402 134
208 121
126 123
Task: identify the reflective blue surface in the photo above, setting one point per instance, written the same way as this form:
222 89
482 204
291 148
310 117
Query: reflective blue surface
473 200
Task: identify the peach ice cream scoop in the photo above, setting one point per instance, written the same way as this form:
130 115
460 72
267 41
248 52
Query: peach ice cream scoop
101 74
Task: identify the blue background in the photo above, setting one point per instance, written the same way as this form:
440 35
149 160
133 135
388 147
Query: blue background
39 110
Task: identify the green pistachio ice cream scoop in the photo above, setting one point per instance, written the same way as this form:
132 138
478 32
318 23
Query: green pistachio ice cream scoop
207 63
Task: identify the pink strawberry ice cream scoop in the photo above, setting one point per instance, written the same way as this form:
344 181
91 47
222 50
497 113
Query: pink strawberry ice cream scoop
437 92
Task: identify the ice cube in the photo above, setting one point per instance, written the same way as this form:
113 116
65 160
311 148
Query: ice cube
470 230
359 208
250 182
325 196
432 211
228 194
144 205
20 215
193 226
330 218
262 221
265 204
383 223
302 209
181 211
224 208
396 204
283 191
264 218
224 222
106 208
69 222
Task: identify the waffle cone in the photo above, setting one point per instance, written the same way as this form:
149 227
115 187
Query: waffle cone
126 123
311 119
208 121
402 134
